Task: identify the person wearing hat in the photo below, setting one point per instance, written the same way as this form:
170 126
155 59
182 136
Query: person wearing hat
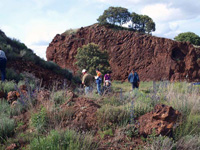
3 61
133 78
87 81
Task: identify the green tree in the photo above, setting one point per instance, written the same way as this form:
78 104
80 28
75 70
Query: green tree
115 15
135 19
188 37
146 24
90 57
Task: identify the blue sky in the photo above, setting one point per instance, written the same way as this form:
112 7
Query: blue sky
36 22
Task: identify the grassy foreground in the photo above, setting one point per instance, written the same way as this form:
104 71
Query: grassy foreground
43 127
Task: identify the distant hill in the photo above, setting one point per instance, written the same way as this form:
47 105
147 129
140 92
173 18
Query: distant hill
22 60
152 57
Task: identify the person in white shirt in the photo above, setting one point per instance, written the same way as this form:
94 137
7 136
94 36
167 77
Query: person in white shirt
3 61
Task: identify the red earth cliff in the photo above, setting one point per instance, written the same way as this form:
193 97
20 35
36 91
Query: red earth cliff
152 57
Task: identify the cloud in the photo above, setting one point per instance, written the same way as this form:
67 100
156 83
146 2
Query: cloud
163 12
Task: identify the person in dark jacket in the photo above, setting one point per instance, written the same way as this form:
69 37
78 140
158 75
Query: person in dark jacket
3 61
133 78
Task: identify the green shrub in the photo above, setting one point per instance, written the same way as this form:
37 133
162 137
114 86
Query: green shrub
4 108
160 143
13 75
188 142
104 133
109 116
188 126
7 125
7 86
64 140
90 57
39 120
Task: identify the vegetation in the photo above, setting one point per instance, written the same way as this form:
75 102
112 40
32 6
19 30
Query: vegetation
48 126
120 16
15 50
64 140
188 37
90 57
7 125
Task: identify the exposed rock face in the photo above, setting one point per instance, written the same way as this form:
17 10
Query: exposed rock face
152 57
161 119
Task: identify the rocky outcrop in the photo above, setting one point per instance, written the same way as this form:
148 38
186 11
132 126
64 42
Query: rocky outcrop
161 120
152 57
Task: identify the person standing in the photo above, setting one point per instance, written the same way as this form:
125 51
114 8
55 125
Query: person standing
98 81
3 61
87 81
107 79
133 78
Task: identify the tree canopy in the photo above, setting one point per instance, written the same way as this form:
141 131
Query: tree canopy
120 16
188 37
90 57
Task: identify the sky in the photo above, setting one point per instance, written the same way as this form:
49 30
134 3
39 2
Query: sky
36 22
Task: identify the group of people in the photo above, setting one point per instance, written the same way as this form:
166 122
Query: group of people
87 80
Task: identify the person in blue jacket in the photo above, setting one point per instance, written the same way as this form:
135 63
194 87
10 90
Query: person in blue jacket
98 81
133 78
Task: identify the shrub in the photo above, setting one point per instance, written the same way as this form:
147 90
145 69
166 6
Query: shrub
7 86
160 143
189 142
58 97
188 126
64 140
13 75
90 57
39 120
7 125
109 116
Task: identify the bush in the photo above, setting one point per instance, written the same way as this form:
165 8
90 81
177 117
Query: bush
188 126
39 120
64 140
189 142
58 97
7 125
189 37
7 86
90 57
13 75
111 116
159 143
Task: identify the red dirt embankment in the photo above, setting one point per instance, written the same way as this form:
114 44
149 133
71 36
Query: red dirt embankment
152 57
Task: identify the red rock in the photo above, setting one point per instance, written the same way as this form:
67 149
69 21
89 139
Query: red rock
14 103
12 96
152 57
23 87
11 147
161 119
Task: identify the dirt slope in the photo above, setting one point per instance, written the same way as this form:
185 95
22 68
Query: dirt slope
153 58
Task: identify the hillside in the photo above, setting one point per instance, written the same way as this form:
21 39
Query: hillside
152 57
22 60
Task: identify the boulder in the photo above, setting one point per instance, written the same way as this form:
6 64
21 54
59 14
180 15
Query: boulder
161 119
12 96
